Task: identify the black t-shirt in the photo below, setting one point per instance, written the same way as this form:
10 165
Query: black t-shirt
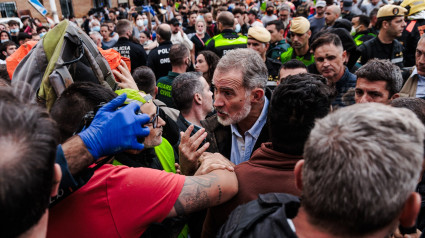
189 30
131 50
159 60
199 43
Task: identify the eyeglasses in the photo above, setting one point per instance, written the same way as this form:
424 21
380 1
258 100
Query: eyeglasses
154 120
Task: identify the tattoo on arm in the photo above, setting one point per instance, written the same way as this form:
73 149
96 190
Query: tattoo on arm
195 194
219 194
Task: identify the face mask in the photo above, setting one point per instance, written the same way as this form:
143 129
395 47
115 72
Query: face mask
139 22
269 12
145 22
2 41
14 30
199 18
117 13
96 28
354 30
238 28
42 34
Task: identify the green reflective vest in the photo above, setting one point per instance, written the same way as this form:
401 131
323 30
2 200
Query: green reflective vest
165 154
288 55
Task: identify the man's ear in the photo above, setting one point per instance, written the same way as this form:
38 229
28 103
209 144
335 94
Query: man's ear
410 210
57 175
396 95
309 33
156 92
197 98
298 175
282 31
257 94
4 53
344 55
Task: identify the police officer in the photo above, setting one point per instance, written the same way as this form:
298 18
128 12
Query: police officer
414 29
228 39
300 50
390 22
127 48
158 59
259 40
278 44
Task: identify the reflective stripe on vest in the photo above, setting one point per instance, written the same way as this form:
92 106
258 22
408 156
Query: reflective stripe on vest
165 154
287 55
221 41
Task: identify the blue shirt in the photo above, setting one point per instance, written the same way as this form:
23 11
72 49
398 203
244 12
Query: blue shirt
242 149
420 90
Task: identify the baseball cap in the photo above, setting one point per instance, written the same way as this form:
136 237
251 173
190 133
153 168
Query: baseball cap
269 4
299 25
391 11
321 4
347 5
259 33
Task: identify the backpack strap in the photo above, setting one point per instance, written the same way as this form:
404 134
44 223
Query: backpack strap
95 56
60 79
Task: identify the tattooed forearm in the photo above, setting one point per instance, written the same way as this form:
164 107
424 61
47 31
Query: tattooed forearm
194 195
219 194
200 192
203 181
178 206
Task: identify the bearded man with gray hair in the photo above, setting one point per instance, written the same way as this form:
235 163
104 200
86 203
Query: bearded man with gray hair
241 101
358 178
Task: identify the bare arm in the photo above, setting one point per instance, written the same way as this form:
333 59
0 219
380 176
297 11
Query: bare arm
76 154
200 192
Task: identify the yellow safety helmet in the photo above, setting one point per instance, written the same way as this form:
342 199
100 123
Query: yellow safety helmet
413 6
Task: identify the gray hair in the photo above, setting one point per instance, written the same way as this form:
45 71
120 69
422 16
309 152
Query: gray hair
284 7
96 34
93 21
382 70
184 88
361 164
248 61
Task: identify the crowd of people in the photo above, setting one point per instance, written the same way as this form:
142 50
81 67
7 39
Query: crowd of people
233 119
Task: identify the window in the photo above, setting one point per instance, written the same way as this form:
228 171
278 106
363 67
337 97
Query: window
8 9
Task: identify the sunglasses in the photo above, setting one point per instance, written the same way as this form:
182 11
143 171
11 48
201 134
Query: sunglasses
154 120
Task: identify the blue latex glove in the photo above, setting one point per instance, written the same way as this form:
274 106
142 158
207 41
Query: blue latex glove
146 9
151 11
114 130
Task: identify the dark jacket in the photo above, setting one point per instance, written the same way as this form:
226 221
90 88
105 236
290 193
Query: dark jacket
273 67
409 39
265 217
347 81
274 172
220 137
376 49
225 41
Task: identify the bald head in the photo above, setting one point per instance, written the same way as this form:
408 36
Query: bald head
331 14
335 9
226 19
164 32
